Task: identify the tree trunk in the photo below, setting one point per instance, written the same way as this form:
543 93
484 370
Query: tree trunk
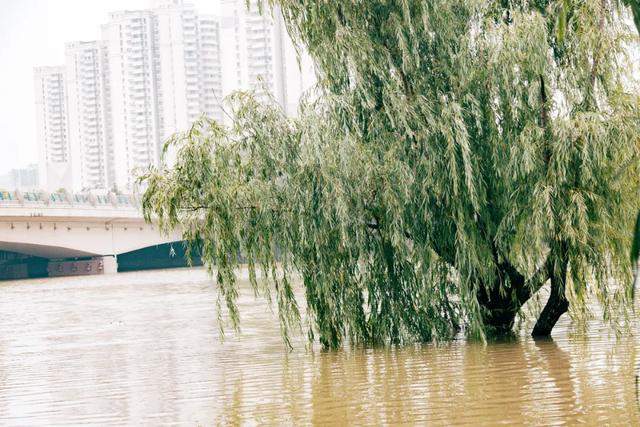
556 306
498 311
500 304
499 320
557 303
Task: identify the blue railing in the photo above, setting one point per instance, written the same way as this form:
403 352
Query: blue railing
6 196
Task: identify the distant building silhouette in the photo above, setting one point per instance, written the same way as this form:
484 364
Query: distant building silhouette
20 179
51 128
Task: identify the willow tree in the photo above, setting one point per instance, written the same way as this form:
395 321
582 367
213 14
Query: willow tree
455 156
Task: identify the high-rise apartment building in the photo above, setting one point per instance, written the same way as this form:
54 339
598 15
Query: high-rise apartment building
260 55
89 115
254 61
164 72
189 65
209 51
133 78
51 123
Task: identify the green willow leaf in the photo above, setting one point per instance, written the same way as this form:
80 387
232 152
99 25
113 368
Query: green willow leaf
562 21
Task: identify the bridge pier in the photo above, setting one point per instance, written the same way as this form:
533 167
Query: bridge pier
82 267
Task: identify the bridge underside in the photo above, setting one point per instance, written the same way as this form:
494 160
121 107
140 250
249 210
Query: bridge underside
43 251
33 247
18 261
166 255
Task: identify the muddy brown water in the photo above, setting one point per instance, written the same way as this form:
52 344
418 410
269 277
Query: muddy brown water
143 348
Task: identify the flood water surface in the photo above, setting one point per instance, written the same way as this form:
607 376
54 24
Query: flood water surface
144 348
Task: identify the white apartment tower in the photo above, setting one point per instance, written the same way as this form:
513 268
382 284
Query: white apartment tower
51 123
254 49
210 67
259 54
164 72
89 116
188 59
133 74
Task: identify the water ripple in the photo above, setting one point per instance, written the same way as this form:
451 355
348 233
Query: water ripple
143 348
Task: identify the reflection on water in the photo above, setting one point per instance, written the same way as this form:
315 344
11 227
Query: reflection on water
143 348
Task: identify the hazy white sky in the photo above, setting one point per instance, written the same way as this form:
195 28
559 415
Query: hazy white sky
33 33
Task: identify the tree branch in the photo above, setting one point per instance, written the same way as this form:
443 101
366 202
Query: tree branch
201 207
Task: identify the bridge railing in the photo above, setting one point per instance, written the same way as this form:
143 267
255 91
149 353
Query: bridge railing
8 197
85 200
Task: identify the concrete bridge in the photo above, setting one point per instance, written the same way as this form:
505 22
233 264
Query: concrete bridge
71 233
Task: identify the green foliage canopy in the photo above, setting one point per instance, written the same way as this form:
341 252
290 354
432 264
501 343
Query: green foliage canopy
454 156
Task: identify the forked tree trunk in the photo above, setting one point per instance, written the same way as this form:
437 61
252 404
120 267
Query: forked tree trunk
501 303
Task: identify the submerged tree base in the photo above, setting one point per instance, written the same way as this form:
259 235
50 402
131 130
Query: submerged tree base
553 310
